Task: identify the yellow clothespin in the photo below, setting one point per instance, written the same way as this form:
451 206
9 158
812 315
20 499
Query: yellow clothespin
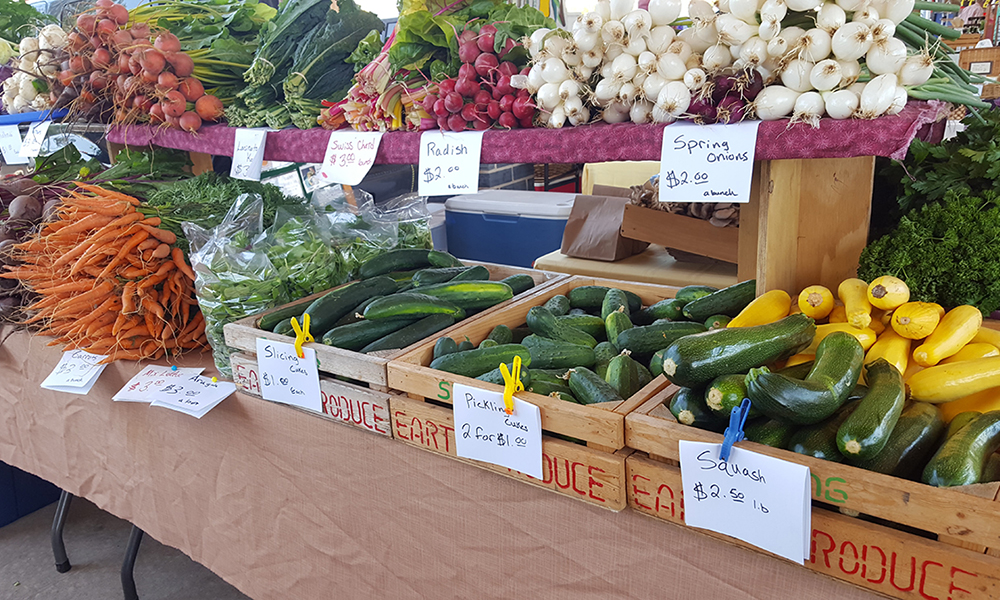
302 335
511 384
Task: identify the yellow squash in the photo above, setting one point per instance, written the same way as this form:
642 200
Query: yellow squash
893 347
987 336
956 329
816 301
767 308
912 369
798 359
888 292
945 383
877 325
794 309
838 314
854 294
916 320
971 351
866 336
983 401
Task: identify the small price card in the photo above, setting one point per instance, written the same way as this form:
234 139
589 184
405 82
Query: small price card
248 154
32 144
707 163
76 372
150 378
449 162
349 156
10 145
484 431
761 500
194 395
284 377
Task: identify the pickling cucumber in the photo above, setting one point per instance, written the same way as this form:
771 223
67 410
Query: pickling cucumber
519 283
592 297
558 305
541 321
615 300
588 388
473 363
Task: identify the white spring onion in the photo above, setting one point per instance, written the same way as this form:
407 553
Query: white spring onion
535 79
850 70
723 6
769 28
898 102
814 46
674 99
869 16
637 23
620 8
606 70
896 10
773 9
555 44
852 41
535 41
809 108
623 68
613 52
830 17
605 91
851 5
658 115
554 70
732 30
706 31
792 35
734 51
586 41
916 70
572 105
754 52
652 86
857 88
591 23
572 55
693 62
745 10
886 56
825 75
641 112
603 8
884 28
581 117
690 37
777 47
639 79
841 104
582 73
548 96
664 12
569 89
646 62
635 46
681 49
775 102
880 5
613 32
803 5
627 94
695 79
877 96
660 39
715 59
557 119
796 75
592 58
701 9
670 67
616 112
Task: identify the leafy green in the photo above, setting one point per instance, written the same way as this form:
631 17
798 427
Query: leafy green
19 19
282 37
368 48
947 252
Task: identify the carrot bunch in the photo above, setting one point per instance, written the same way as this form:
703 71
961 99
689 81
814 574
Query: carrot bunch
109 280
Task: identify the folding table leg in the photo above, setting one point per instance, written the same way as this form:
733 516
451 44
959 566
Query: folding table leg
58 522
128 565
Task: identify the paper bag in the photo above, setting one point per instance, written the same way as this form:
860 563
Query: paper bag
594 230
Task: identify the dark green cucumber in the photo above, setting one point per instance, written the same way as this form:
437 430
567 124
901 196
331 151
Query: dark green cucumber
411 304
558 305
653 338
488 343
592 297
567 398
546 388
770 432
403 277
470 295
432 276
579 311
866 431
833 377
819 440
411 334
962 457
727 301
324 312
588 324
798 371
588 388
656 363
442 260
466 345
961 420
645 377
501 334
476 273
496 376
357 313
443 346
550 376
541 321
358 335
603 353
689 408
403 259
269 321
552 354
717 322
615 300
615 323
671 309
696 359
725 393
915 436
623 375
473 363
519 283
285 328
693 292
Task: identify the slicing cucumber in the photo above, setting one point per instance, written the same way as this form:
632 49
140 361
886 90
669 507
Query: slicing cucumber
717 322
623 375
552 354
285 327
269 321
689 408
403 259
819 440
403 277
770 432
358 335
693 292
519 283
357 313
541 321
588 388
501 334
476 273
432 276
833 377
412 333
473 363
488 343
648 339
961 420
962 457
615 323
496 376
725 393
915 436
325 311
466 345
866 431
671 309
443 346
614 301
727 301
592 297
470 295
442 260
558 305
411 304
588 324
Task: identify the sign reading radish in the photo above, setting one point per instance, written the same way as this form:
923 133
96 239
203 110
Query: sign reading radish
449 163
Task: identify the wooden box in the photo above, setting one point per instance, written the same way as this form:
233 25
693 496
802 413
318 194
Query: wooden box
982 61
965 41
368 368
680 232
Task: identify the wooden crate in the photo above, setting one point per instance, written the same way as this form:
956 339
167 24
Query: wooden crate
970 519
368 368
680 232
600 425
982 61
343 402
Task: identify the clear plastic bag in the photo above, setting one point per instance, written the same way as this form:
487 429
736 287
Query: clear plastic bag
300 246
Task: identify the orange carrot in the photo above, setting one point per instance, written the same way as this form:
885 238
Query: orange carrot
99 191
167 237
131 244
94 221
162 251
149 244
152 221
128 298
72 286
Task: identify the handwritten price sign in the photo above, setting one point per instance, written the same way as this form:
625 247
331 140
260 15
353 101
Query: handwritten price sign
151 378
248 154
76 372
449 162
194 395
32 144
284 377
10 145
349 156
707 163
484 431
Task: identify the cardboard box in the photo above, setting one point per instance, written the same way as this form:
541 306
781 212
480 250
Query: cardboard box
594 228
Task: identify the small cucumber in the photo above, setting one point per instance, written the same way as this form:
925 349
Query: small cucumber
864 434
725 393
645 377
442 260
567 398
615 323
962 457
466 345
411 304
473 363
656 363
961 420
604 352
476 273
433 276
915 436
615 300
269 321
588 324
541 321
770 432
578 311
412 333
819 440
470 295
285 327
496 376
358 335
550 376
403 259
592 297
588 388
623 375
501 334
558 305
443 346
717 322
519 283
546 388
671 309
652 338
488 343
727 301
693 292
552 354
689 408
324 312
357 313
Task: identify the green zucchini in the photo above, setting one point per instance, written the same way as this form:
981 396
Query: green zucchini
693 292
496 376
727 301
717 322
653 338
623 375
725 393
541 321
615 323
558 305
553 354
358 335
915 436
520 283
432 276
770 432
962 457
476 273
866 431
473 363
588 324
445 345
488 343
357 313
588 388
442 260
285 328
656 363
689 408
470 295
411 304
412 333
324 312
501 334
466 345
833 377
403 259
546 388
819 440
615 300
991 472
269 321
961 420
592 297
671 308
696 359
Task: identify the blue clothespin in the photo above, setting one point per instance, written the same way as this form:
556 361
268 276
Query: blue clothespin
734 433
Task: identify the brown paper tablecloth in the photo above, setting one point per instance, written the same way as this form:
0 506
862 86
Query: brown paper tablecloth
284 505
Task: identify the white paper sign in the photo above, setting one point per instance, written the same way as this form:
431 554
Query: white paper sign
484 431
349 156
248 154
152 377
10 145
76 372
761 500
449 162
32 143
194 395
707 163
284 377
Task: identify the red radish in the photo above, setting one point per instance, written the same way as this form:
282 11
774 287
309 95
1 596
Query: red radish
453 102
456 122
123 62
133 66
95 41
167 81
467 36
467 71
182 64
442 123
493 110
523 94
106 27
487 35
507 68
102 58
469 112
446 87
522 108
191 88
508 121
507 102
482 97
428 103
480 124
79 64
467 87
190 121
167 42
528 122
468 52
174 104
440 109
87 23
152 60
486 63
507 47
138 101
209 108
172 121
98 81
503 86
119 14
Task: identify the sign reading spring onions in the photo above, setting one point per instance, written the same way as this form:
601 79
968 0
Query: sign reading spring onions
707 163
